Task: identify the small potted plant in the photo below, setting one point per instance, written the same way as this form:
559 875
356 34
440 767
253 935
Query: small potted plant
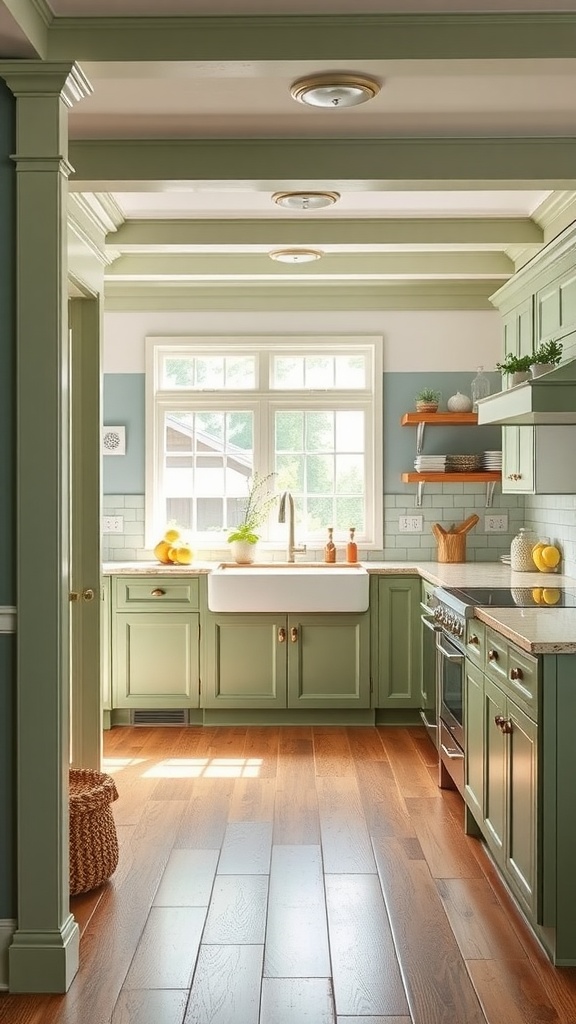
517 368
546 357
427 400
243 538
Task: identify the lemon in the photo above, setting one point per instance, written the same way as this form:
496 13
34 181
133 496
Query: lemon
551 595
537 595
171 536
184 554
550 556
161 552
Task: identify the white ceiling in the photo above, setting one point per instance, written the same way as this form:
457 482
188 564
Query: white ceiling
247 99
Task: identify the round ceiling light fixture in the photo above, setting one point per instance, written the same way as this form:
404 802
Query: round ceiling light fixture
295 255
305 200
335 90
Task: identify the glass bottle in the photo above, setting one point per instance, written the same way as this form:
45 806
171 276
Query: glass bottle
330 547
521 559
480 387
352 547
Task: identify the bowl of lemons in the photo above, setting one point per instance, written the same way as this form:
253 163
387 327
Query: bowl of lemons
546 556
173 549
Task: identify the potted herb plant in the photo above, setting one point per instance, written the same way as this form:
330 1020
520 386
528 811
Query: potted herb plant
243 538
516 368
546 357
427 400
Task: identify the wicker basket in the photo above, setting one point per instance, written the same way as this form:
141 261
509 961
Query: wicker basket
93 839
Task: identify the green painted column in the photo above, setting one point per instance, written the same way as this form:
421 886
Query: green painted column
43 956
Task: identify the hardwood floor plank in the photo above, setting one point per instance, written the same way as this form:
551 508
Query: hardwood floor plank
226 987
510 991
188 878
261 746
346 845
149 1006
411 774
296 1001
373 1020
84 905
296 934
365 743
438 987
237 913
296 816
167 951
423 745
252 800
246 849
384 808
332 754
204 822
478 920
449 852
365 969
295 756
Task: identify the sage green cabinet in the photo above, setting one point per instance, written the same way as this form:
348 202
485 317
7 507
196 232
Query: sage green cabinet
396 641
286 661
518 442
155 643
105 650
474 731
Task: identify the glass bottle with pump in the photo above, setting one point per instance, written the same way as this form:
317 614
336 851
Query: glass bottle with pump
330 547
352 547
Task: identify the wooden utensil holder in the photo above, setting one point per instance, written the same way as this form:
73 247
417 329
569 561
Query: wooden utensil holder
452 543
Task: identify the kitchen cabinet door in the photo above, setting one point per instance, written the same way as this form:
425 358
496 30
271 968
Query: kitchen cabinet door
156 660
398 626
494 818
474 730
329 661
105 652
518 442
521 796
245 661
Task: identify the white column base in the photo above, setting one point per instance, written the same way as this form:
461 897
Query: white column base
44 961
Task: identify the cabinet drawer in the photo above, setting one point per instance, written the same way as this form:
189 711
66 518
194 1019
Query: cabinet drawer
475 638
496 657
522 683
155 593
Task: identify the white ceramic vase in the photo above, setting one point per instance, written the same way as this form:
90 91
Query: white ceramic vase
243 551
459 403
519 377
538 368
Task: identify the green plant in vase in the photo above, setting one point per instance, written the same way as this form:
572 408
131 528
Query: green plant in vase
243 538
517 368
546 357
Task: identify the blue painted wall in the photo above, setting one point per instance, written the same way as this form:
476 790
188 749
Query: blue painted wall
7 495
124 405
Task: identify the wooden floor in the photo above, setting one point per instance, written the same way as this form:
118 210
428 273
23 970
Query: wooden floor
296 876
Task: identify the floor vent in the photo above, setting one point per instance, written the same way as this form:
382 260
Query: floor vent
160 716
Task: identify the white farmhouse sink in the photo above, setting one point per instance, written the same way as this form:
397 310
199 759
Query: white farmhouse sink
288 587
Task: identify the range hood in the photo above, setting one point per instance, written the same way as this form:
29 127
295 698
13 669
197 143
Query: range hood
543 401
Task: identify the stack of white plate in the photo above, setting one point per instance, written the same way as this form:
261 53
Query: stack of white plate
492 461
430 463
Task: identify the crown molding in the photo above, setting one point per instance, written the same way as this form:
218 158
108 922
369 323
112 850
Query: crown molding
315 37
547 265
102 210
556 213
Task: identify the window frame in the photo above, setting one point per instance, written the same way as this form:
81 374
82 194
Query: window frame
369 399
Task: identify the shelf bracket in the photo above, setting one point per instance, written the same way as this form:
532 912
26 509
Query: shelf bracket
419 491
420 437
490 493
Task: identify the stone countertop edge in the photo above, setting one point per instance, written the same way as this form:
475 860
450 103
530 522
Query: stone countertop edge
535 630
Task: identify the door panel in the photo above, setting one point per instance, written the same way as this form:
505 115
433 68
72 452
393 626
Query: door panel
329 661
245 661
522 767
495 770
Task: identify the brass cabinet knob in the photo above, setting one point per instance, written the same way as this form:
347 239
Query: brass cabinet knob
294 634
158 592
504 724
473 639
281 635
88 594
516 673
492 655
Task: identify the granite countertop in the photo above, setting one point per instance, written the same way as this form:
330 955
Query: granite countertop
536 630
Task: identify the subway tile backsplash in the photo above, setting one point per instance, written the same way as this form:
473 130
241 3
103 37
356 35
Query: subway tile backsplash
441 503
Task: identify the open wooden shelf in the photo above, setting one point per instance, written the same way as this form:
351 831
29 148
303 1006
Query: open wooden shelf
451 478
441 419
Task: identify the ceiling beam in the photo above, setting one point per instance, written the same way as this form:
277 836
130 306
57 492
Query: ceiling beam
29 37
218 266
315 37
337 164
180 235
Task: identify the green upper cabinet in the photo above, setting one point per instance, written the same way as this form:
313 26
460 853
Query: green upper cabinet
518 442
396 641
286 661
555 309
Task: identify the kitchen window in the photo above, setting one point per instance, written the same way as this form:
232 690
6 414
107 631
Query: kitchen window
222 411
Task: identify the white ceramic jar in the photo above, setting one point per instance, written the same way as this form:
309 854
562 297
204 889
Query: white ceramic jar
459 403
521 551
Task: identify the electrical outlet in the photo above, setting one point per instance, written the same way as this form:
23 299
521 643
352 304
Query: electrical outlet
496 523
410 524
113 524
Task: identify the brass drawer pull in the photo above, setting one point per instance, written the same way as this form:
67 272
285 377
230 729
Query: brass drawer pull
294 634
474 640
516 673
158 592
492 655
504 724
281 635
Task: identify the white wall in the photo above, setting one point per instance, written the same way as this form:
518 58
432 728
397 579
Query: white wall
413 341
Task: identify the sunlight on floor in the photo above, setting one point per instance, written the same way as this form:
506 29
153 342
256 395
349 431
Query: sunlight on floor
113 765
205 767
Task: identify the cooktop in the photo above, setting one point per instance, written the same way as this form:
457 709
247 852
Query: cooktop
515 597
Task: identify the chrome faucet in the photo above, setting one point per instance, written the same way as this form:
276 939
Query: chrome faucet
291 547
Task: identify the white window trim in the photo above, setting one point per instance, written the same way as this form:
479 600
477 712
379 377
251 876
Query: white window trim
261 345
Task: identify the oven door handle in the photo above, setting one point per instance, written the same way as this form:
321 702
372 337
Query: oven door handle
444 653
430 624
454 753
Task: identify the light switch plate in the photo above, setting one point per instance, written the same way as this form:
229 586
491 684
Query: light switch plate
410 524
496 523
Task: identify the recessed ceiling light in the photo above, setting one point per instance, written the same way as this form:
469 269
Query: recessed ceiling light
305 200
295 255
335 90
